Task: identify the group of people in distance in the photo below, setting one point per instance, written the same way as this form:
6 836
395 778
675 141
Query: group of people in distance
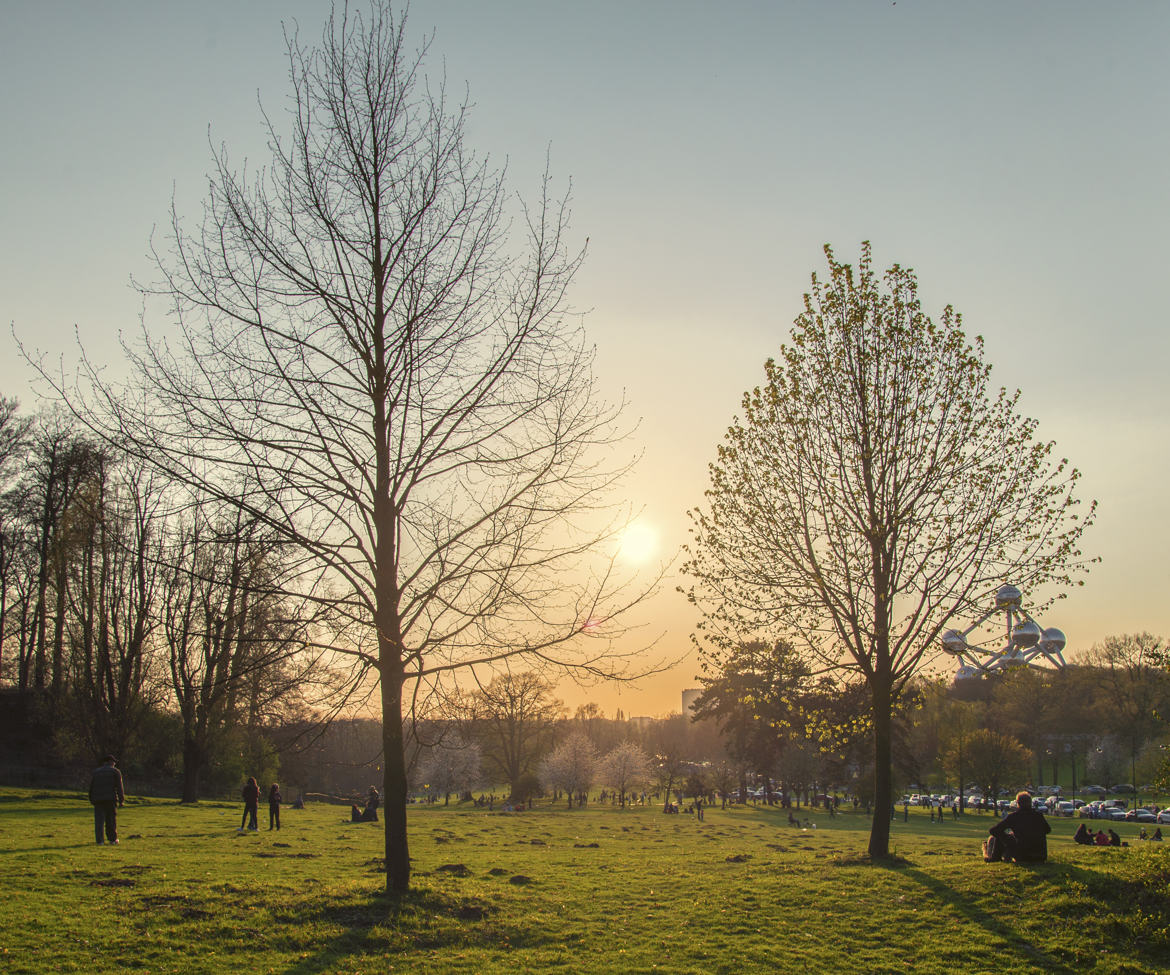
1086 837
107 795
252 806
1023 835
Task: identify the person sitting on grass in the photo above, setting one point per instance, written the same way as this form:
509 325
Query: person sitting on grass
1101 839
1157 837
370 813
1083 836
1023 835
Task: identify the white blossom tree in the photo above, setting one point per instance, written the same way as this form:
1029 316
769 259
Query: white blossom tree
571 766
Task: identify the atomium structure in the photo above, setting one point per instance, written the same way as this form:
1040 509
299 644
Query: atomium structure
1027 644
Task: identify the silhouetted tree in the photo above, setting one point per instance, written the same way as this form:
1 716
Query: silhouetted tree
406 387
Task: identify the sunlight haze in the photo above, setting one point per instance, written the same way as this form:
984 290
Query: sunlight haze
1014 155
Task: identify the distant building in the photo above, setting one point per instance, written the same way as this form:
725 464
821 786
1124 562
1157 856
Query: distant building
689 699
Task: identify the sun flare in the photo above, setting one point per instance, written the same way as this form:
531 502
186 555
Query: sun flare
639 542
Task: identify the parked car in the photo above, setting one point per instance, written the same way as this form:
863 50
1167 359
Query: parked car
1093 790
1123 788
1064 809
1141 815
1163 816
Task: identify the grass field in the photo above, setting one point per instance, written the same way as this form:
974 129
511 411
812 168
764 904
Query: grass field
594 890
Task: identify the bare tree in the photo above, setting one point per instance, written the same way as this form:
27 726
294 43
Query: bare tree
235 645
113 590
995 759
875 488
14 430
515 718
405 387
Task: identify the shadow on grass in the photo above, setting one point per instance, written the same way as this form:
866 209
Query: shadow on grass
1124 903
972 912
378 924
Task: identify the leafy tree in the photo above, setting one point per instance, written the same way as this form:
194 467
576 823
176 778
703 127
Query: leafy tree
875 487
752 690
1133 676
405 384
995 759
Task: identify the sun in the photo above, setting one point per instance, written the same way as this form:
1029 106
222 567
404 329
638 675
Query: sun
638 542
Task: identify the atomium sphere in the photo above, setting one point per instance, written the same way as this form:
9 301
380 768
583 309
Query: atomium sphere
1008 597
1052 640
954 642
966 672
1026 635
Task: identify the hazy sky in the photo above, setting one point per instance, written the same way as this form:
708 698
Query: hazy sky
1015 154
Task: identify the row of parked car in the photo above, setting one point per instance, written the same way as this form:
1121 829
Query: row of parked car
1052 804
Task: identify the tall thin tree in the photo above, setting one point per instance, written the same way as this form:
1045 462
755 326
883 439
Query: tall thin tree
406 388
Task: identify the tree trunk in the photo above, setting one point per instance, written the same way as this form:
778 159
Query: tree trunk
879 834
192 764
394 781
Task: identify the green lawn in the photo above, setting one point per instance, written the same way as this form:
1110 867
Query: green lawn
599 890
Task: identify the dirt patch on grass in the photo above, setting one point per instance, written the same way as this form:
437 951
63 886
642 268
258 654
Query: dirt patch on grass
454 869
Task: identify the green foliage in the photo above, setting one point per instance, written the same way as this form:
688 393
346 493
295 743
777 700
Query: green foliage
497 892
876 485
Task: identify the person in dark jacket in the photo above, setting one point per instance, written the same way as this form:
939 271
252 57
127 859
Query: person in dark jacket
370 813
251 795
274 806
1083 835
106 794
1023 834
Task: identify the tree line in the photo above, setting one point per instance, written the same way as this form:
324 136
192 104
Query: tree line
138 619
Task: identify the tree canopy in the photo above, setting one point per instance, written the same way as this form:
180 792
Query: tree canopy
876 486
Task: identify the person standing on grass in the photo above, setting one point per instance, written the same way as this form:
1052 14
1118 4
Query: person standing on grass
106 794
274 806
251 795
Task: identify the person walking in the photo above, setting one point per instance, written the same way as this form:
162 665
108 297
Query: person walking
107 795
251 795
274 806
